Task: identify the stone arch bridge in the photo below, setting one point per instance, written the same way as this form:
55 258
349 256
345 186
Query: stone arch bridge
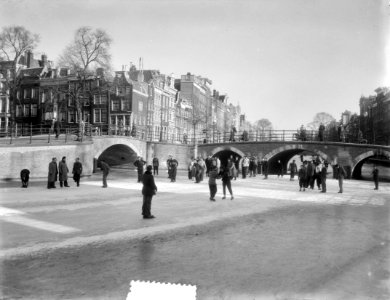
348 155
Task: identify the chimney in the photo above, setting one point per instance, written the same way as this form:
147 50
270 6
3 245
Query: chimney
100 72
30 58
44 60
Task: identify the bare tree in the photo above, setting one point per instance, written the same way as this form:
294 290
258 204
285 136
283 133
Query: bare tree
89 50
319 118
15 41
261 126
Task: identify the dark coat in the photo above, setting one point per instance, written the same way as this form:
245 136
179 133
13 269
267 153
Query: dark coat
149 187
63 171
53 171
139 163
105 167
77 168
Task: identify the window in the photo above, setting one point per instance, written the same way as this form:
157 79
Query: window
115 105
99 99
26 110
140 106
34 110
3 104
100 115
72 116
125 105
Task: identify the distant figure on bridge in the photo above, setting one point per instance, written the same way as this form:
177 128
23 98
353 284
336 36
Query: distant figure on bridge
321 131
139 163
24 176
77 170
52 175
375 176
149 189
155 163
106 169
57 128
63 171
293 170
340 175
232 134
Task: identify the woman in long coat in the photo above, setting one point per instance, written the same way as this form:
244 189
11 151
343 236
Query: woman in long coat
148 190
52 174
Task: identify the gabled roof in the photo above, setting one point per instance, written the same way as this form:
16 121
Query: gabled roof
32 72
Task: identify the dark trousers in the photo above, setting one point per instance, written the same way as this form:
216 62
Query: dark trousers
323 184
244 171
376 182
213 190
51 184
302 182
105 179
341 179
147 205
155 170
318 180
227 184
64 183
139 175
76 178
173 174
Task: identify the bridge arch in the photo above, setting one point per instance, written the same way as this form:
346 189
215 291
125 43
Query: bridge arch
116 151
286 152
362 158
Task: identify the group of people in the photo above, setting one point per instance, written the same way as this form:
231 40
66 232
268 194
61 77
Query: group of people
60 171
311 172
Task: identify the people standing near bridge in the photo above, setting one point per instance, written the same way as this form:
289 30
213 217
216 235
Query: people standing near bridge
245 166
259 166
340 175
139 164
226 182
279 168
149 189
252 167
213 175
25 176
293 169
53 172
324 171
321 131
156 164
77 170
310 175
106 169
302 177
63 171
202 168
375 177
265 168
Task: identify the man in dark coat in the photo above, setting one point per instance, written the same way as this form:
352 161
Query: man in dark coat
52 175
156 164
106 169
139 163
24 176
63 172
172 168
340 174
57 128
324 171
279 168
375 176
293 169
310 175
148 190
77 170
265 168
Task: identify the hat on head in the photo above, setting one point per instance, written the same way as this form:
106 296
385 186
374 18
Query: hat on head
149 168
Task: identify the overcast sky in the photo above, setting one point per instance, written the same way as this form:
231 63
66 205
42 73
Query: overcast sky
283 60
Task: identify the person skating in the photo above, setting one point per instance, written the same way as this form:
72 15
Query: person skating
156 164
226 182
302 177
324 170
77 170
149 189
375 177
293 170
25 176
139 163
213 175
106 169
172 168
340 175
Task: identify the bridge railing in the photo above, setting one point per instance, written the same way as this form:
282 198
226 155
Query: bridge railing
43 133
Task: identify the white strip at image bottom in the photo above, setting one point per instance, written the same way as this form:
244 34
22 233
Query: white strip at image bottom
143 290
